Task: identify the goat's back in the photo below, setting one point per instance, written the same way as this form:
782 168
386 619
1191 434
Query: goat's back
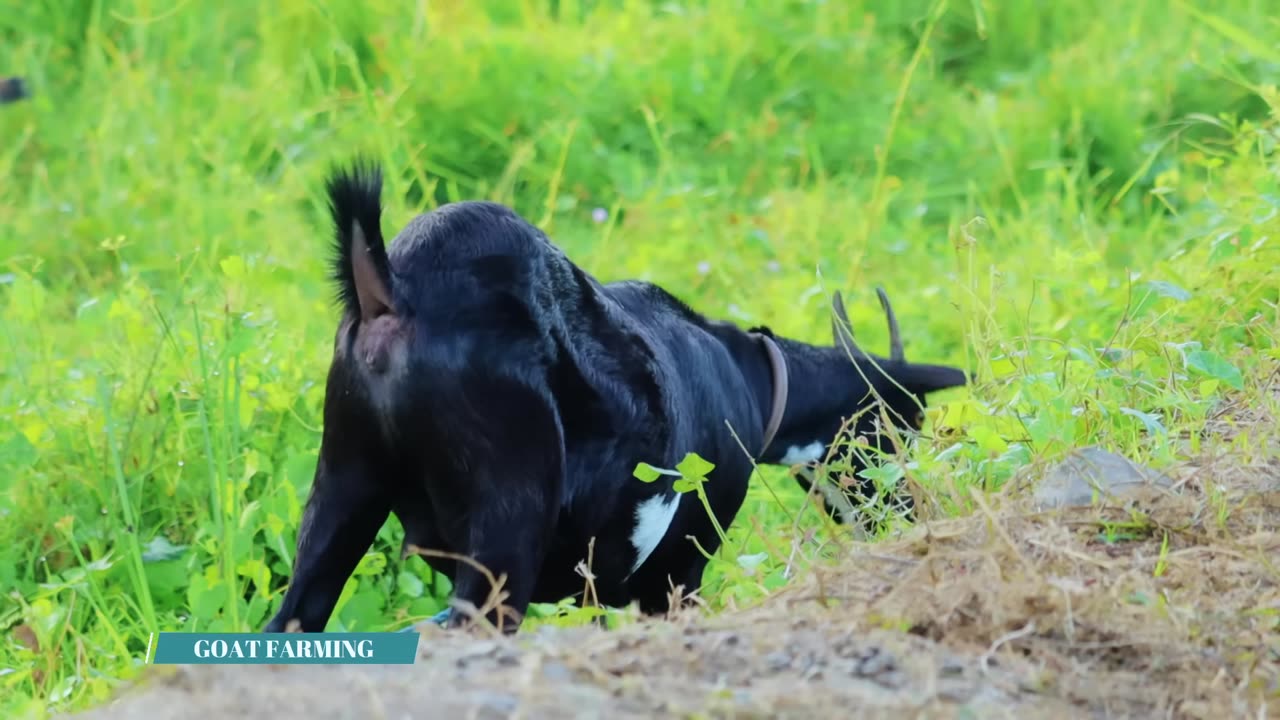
696 359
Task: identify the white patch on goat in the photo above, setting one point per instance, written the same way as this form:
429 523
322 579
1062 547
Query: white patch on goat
798 455
653 518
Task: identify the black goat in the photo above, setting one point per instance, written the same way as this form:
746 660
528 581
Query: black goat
13 89
498 399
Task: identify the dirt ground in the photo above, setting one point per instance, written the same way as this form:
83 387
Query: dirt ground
1007 613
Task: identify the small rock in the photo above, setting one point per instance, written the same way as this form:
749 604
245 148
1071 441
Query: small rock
955 690
556 671
482 648
875 662
500 703
1090 472
777 661
848 648
892 679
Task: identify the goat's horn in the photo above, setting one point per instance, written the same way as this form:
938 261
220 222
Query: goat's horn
896 353
841 328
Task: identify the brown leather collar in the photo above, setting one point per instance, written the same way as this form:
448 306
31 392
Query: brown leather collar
778 368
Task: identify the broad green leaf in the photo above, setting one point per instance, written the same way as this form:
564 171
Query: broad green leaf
372 563
204 599
1081 355
1149 420
17 452
46 616
988 440
958 413
694 466
160 549
1210 364
1003 367
26 299
410 584
233 267
300 469
776 579
1224 246
256 571
646 473
1168 290
885 476
426 606
256 613
348 590
364 608
166 580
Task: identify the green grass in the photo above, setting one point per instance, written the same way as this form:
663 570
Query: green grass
1078 201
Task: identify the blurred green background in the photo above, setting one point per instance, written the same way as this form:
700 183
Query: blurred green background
1077 201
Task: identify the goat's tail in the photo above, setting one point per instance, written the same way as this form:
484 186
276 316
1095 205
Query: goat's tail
359 264
13 89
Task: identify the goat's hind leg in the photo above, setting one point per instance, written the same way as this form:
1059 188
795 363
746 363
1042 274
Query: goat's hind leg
507 540
342 517
513 505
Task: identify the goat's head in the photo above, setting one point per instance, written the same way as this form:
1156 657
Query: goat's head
877 401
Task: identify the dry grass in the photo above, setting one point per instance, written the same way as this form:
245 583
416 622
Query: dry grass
1179 620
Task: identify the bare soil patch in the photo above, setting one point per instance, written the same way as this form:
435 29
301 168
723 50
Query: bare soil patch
1164 602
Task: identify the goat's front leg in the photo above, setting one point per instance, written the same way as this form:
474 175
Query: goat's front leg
344 512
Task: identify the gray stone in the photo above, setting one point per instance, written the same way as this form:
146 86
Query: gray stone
1090 474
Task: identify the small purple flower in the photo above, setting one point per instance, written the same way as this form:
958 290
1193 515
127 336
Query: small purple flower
599 215
704 267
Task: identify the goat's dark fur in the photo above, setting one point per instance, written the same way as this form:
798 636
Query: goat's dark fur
497 399
13 89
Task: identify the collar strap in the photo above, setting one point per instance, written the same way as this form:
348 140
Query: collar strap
778 369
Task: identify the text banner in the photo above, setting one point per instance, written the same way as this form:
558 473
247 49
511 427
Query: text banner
367 648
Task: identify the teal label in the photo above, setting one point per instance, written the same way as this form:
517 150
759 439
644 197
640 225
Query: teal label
367 648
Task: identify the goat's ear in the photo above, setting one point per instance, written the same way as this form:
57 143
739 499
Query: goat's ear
922 379
360 264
